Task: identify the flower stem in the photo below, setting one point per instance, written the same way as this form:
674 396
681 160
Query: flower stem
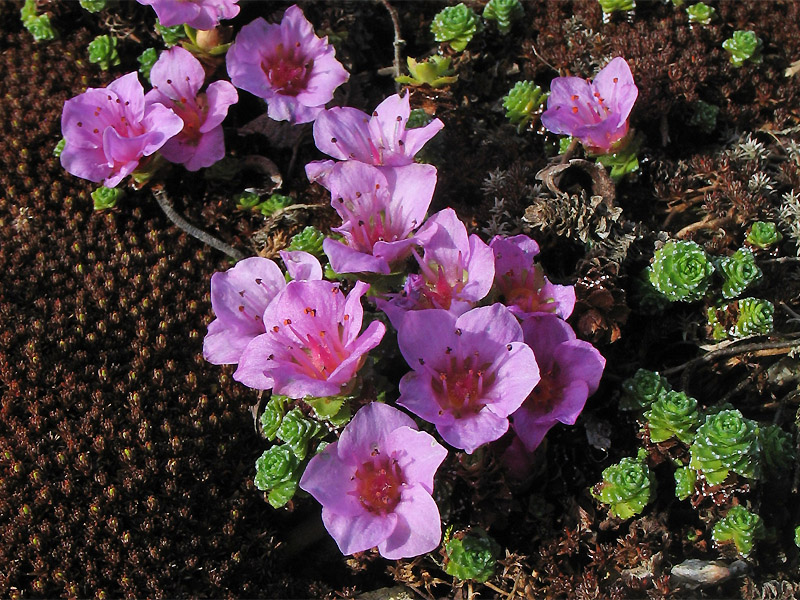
398 40
163 201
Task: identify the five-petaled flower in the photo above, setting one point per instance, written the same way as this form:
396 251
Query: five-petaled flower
198 14
346 133
287 65
457 270
521 283
469 372
375 485
380 210
594 112
109 130
570 372
312 345
177 77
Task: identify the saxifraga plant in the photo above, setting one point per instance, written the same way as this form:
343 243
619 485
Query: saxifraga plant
626 486
673 415
763 234
455 25
725 442
504 12
523 102
743 46
741 527
641 390
739 271
681 271
471 555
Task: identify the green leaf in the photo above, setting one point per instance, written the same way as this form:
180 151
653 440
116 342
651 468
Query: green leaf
726 442
741 527
105 198
472 555
701 13
93 6
739 271
763 234
435 72
297 431
612 6
504 12
681 271
308 240
685 479
278 468
146 61
103 52
524 102
171 35
272 416
743 46
641 390
673 415
626 487
455 25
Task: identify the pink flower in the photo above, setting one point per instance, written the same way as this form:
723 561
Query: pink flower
375 485
521 283
570 372
177 77
457 270
239 297
596 113
198 14
312 344
382 139
469 372
109 130
380 210
287 65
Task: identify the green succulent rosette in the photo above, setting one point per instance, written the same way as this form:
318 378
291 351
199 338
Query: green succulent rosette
297 431
741 527
777 450
626 486
685 479
455 25
763 234
418 118
505 12
309 240
93 6
103 52
471 556
105 198
523 102
797 536
743 46
725 442
278 473
704 116
435 72
171 35
273 204
755 317
272 417
146 61
739 271
612 6
701 13
681 271
641 390
673 415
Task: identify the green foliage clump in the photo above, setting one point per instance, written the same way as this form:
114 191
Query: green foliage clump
674 414
471 556
308 240
171 35
278 472
435 72
37 25
777 450
726 442
103 52
504 12
334 409
681 271
641 390
93 6
105 198
741 527
685 478
146 61
272 416
455 25
274 203
763 234
523 102
623 162
701 13
739 271
612 6
297 431
59 147
418 118
741 318
704 116
797 536
626 486
743 46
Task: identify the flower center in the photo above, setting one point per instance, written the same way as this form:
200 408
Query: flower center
378 484
287 71
525 290
461 390
547 393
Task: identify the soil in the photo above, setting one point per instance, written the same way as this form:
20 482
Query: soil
127 461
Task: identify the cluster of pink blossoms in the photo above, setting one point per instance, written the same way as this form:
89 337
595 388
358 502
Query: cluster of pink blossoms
108 132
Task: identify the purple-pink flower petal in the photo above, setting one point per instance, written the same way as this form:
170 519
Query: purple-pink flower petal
199 14
301 264
287 65
375 485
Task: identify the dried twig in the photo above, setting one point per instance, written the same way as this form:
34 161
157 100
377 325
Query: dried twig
398 40
161 197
